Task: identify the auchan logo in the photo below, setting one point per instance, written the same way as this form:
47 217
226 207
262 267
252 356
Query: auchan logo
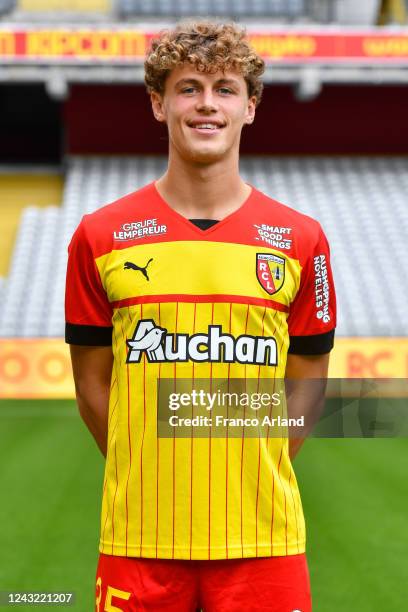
214 346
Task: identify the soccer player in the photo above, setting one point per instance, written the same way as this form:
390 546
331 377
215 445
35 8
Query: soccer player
198 275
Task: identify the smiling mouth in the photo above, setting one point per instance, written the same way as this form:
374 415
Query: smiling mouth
206 128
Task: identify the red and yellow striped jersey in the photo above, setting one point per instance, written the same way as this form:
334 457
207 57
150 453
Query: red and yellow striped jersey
179 302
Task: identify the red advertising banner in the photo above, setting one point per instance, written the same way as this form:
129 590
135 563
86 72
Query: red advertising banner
74 45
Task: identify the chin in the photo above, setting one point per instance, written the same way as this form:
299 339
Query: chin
205 156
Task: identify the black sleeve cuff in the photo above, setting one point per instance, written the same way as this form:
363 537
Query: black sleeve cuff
317 344
88 335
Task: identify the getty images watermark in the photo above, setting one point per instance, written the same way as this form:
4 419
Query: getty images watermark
282 408
220 408
239 402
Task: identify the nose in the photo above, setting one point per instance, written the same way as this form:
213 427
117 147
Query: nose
206 103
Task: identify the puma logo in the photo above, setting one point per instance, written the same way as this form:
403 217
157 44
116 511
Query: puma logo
128 265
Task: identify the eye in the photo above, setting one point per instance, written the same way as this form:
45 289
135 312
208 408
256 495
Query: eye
225 90
187 90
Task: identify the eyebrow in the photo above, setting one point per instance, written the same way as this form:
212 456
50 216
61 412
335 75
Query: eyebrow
197 82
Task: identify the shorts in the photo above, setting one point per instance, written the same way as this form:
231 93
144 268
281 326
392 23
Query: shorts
273 584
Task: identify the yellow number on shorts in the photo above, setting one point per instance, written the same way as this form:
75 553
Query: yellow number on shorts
114 593
99 595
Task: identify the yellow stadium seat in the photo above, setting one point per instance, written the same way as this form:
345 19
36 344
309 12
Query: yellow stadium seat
16 192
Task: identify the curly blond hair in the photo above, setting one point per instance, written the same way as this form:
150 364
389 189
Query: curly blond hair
209 47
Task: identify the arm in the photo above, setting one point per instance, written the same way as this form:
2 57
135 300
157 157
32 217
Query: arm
305 399
92 369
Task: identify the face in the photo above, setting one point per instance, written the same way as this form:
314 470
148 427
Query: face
204 113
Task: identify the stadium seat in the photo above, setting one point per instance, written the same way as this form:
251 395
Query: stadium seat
61 11
65 5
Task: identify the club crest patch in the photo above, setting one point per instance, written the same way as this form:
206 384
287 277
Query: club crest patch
270 272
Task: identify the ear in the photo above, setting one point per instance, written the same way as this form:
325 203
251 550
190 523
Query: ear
158 106
250 115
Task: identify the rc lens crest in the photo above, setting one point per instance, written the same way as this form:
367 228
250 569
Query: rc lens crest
270 272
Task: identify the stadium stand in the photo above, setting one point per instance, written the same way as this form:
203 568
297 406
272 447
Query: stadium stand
232 8
61 11
346 12
38 186
360 202
313 11
6 6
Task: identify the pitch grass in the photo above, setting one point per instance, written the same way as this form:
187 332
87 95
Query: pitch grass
355 496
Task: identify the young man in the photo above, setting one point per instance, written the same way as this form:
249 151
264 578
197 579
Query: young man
182 280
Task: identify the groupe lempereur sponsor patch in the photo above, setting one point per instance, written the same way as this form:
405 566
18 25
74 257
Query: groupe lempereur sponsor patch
134 230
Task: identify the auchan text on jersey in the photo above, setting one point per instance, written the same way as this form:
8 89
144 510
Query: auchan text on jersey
214 346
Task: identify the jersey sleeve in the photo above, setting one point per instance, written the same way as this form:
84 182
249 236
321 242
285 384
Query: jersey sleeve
88 313
312 314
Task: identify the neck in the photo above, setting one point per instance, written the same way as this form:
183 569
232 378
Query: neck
203 191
